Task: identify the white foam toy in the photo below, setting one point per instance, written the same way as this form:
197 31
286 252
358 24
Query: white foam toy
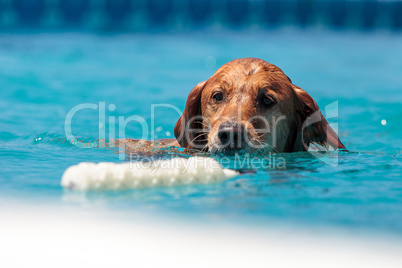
133 175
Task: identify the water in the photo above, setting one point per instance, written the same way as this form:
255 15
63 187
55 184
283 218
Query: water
43 76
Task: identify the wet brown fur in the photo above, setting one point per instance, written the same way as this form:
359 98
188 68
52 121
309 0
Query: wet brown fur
242 81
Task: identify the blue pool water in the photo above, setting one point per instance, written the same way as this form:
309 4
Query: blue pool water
43 76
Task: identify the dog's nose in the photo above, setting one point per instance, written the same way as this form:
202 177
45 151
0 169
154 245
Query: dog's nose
231 135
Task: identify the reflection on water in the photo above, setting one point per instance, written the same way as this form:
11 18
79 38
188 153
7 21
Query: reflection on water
43 76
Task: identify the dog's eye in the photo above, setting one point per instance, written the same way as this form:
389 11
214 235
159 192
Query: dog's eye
268 102
218 96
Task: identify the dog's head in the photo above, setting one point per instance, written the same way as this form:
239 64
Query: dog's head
250 105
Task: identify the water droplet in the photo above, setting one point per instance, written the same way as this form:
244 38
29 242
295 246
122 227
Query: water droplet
383 122
168 133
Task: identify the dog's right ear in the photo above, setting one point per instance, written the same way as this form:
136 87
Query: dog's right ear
313 128
190 122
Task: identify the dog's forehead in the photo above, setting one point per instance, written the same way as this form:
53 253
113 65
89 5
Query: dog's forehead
248 72
247 66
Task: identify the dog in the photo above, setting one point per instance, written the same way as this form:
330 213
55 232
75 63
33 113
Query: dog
251 106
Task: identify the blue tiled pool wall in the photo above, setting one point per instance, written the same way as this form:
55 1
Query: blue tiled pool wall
137 15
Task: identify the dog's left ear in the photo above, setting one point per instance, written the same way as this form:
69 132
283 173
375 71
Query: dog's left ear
311 124
190 122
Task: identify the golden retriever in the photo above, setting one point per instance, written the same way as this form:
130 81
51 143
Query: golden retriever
247 106
251 106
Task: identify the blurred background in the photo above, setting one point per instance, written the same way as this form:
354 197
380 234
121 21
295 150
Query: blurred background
56 54
143 15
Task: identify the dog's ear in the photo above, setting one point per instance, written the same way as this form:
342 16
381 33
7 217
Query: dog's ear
190 122
312 127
